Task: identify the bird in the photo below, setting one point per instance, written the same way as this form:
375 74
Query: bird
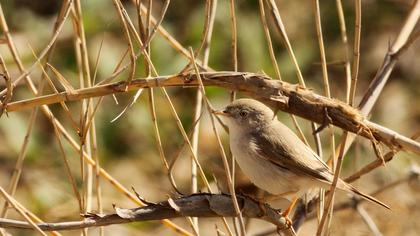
273 157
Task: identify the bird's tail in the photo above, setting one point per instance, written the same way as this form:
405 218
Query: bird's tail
352 189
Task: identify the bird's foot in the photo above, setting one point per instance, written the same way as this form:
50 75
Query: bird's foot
288 221
286 213
287 224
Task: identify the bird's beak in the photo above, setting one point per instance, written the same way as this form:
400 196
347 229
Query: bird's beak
222 113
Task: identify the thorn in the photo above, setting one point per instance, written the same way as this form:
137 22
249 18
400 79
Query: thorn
147 203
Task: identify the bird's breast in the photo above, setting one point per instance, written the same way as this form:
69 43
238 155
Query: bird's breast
259 170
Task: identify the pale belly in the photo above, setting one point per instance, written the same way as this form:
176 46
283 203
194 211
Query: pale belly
264 174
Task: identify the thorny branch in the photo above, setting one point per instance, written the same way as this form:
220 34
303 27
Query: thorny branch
290 98
197 205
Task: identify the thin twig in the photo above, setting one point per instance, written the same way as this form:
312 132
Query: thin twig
321 48
268 39
234 57
344 40
68 170
229 176
206 57
118 6
282 30
205 32
275 64
147 48
207 36
368 220
171 40
369 167
330 200
29 221
327 93
356 50
90 125
85 141
280 27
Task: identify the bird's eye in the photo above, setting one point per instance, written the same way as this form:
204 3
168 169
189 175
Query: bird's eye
243 113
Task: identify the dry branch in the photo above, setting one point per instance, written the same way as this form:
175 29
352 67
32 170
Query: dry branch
287 97
197 205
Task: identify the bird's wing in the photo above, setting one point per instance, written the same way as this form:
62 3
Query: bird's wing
279 145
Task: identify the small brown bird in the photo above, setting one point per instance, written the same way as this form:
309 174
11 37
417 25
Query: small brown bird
273 157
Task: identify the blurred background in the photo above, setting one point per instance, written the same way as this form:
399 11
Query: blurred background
127 148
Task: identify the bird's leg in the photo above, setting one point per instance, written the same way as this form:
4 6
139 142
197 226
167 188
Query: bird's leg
263 200
286 213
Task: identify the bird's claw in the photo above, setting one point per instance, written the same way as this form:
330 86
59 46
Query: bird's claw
288 221
287 225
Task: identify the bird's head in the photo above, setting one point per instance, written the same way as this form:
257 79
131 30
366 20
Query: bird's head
246 114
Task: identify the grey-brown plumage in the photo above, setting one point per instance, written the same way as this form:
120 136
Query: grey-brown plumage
272 156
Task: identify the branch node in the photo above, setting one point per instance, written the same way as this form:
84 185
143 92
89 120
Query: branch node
327 120
92 215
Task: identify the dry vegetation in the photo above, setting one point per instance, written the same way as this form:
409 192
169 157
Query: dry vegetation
109 102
